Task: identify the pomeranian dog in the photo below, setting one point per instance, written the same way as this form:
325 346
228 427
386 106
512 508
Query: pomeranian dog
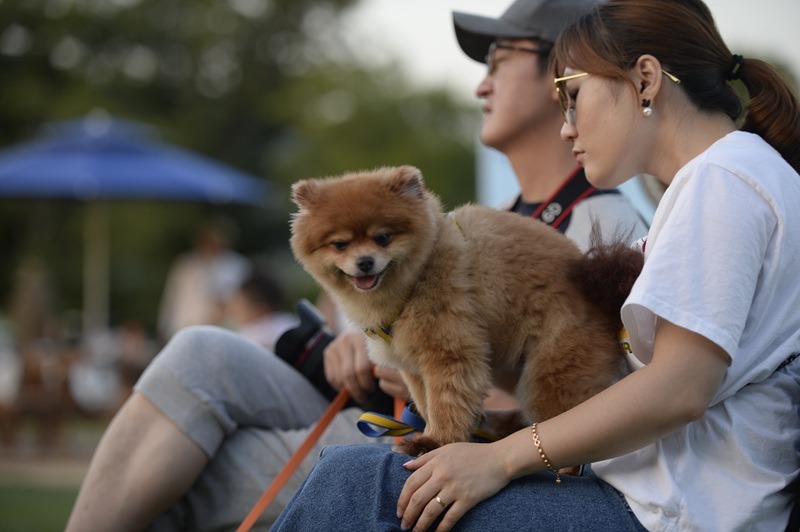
464 301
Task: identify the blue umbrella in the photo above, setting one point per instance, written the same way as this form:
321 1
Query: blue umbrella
101 158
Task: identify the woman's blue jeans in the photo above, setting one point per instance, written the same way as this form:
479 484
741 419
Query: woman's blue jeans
356 487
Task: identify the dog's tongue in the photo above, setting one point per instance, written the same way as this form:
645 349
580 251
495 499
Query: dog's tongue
366 282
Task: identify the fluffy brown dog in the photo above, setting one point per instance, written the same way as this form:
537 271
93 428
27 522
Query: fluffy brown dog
461 302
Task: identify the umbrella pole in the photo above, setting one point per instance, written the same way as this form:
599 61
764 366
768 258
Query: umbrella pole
96 278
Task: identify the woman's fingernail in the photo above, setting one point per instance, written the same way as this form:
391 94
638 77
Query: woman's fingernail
399 513
409 462
403 526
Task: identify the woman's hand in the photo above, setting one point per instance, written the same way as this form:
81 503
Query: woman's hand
450 480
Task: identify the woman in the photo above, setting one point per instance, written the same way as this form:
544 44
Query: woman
704 434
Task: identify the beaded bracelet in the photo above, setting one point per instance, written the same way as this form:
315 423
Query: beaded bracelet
535 436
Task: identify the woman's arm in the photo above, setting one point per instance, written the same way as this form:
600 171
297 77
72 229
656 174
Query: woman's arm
673 390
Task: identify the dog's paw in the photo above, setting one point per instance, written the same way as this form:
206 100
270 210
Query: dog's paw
416 447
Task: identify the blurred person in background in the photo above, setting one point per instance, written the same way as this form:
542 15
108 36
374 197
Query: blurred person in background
255 310
201 280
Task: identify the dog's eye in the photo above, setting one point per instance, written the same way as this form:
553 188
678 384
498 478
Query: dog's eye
339 245
382 239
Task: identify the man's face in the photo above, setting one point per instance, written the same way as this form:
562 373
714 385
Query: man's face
519 100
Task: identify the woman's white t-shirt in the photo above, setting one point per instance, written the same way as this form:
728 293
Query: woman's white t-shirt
722 259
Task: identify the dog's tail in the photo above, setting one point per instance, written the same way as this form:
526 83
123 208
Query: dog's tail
606 272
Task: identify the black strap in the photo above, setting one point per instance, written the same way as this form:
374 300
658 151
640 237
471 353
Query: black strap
558 208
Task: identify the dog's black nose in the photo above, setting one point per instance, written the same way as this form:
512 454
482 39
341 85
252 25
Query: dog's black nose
365 264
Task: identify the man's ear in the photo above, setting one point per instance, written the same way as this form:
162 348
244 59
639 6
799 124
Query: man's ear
554 94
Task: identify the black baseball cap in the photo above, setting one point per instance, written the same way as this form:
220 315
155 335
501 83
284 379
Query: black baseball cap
524 19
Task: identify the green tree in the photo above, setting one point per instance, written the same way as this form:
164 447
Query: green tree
253 83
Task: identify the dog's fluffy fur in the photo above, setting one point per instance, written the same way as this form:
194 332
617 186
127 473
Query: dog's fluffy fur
476 298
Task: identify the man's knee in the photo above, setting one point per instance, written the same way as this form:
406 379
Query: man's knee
197 343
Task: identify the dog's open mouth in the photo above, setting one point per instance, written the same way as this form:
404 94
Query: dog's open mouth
367 282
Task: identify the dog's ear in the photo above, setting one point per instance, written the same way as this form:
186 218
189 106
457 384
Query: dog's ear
303 192
408 181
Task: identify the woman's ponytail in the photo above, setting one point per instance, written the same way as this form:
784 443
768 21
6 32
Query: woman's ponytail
773 111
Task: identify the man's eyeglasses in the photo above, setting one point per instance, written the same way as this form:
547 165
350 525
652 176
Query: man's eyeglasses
568 104
491 61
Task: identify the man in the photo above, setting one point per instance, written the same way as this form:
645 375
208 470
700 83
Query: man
521 114
156 453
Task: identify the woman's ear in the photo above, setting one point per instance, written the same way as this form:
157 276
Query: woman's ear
647 77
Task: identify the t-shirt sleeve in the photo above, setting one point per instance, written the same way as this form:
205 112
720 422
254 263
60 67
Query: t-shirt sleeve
703 259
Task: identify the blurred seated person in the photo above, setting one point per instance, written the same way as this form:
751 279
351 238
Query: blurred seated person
201 280
255 310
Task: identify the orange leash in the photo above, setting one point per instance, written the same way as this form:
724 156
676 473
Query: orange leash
297 458
294 462
399 406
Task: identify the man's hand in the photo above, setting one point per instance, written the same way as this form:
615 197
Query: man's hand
347 365
392 383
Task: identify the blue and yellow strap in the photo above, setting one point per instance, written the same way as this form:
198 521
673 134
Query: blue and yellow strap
384 332
376 425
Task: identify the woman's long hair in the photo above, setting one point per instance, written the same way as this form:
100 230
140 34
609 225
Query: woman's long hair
683 36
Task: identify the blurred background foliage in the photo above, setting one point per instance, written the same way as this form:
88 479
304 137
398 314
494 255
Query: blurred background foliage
267 86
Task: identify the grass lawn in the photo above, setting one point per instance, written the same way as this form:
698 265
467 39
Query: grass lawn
38 488
35 509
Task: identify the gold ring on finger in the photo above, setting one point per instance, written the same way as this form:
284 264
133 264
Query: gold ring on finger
440 501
